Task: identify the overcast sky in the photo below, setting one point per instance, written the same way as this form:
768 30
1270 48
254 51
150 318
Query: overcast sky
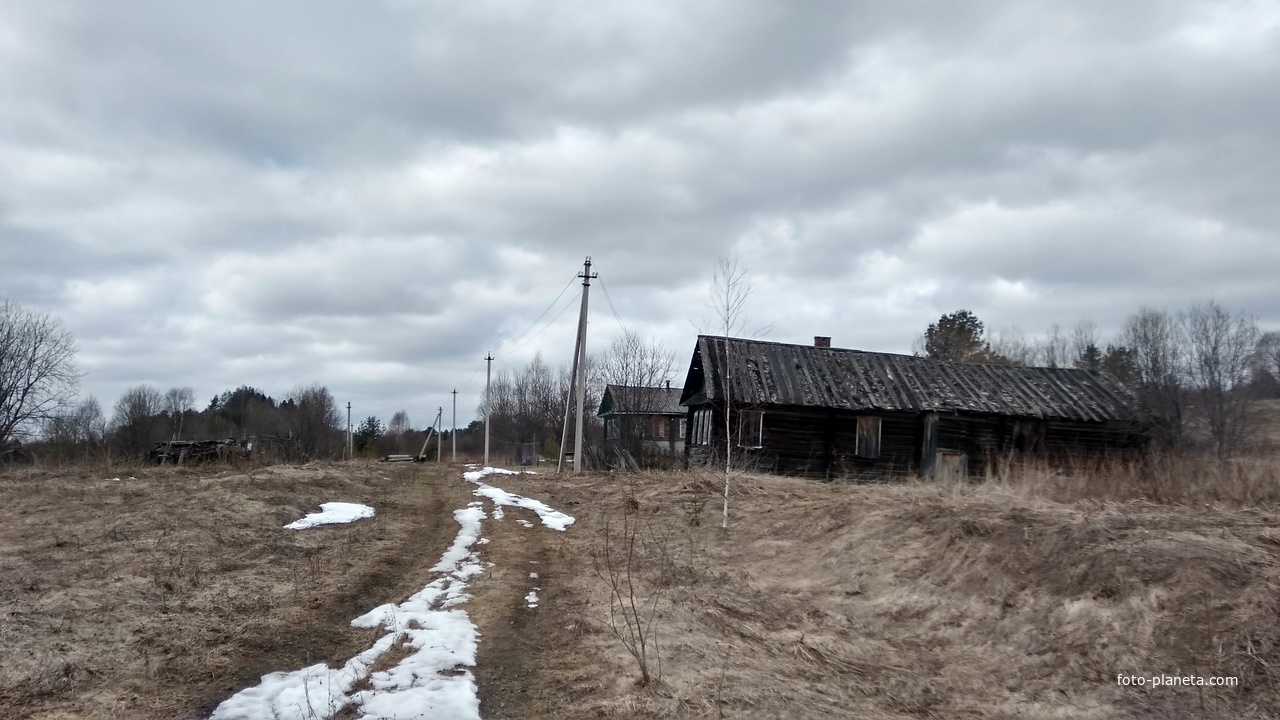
373 195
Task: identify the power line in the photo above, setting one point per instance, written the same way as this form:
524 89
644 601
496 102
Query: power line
553 320
611 308
544 312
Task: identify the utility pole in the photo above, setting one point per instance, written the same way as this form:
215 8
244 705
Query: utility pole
350 454
488 367
568 403
439 437
453 434
582 363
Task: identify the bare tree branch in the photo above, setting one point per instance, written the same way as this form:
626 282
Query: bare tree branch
1221 352
38 375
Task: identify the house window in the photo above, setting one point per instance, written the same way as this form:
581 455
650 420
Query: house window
750 429
684 423
658 427
868 437
611 430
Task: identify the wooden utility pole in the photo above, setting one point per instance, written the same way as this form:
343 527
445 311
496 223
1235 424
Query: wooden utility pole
582 363
440 437
350 453
453 434
488 367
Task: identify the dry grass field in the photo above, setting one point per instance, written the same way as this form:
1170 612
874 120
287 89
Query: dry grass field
159 596
913 600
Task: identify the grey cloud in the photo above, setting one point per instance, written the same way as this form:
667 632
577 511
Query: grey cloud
375 196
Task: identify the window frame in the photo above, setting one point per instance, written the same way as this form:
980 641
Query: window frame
747 418
868 453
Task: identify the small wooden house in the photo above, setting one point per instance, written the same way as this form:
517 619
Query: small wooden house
823 411
643 420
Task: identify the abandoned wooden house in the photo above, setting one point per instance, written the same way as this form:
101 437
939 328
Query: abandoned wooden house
643 420
823 411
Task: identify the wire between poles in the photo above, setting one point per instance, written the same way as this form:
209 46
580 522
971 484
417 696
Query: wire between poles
544 312
611 308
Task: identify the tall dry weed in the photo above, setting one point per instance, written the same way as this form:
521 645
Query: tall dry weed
1160 477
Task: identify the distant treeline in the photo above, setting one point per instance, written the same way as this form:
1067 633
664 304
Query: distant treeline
1198 372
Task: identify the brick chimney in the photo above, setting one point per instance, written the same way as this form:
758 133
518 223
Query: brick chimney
821 341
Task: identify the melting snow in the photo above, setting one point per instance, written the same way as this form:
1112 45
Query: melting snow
332 513
553 519
435 679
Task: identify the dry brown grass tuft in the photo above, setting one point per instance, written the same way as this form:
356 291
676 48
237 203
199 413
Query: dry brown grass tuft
1160 477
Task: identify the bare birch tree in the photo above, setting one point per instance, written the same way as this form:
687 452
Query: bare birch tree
38 375
1221 352
730 288
177 402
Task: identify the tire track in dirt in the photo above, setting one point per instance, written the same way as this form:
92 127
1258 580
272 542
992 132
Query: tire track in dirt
507 658
419 513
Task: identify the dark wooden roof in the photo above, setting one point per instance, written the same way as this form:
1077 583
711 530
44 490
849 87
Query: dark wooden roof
771 373
631 400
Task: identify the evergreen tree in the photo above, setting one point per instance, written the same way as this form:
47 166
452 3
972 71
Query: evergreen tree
957 337
367 434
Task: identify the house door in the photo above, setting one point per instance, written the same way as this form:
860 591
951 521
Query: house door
952 466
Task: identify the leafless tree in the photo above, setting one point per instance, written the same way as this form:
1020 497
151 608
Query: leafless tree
1268 357
1055 348
89 422
78 431
397 428
1010 346
317 421
730 289
38 375
526 405
133 420
632 369
399 423
1086 353
178 401
1086 350
1221 352
1154 341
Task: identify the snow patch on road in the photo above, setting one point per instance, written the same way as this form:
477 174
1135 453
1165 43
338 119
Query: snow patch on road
435 679
553 519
